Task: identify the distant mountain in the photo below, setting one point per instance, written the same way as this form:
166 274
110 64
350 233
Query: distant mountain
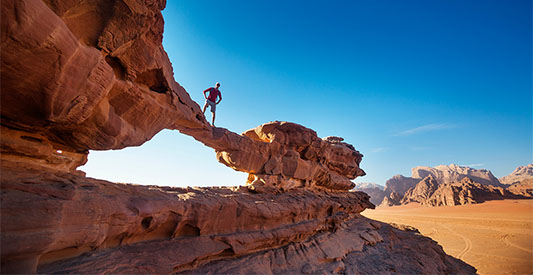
422 191
375 191
519 174
400 184
454 185
429 192
391 199
455 173
369 185
523 187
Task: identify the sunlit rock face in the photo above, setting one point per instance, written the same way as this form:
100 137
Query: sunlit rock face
282 155
523 187
392 199
425 180
49 216
521 173
75 76
399 184
79 75
299 158
454 173
429 192
442 187
58 222
520 181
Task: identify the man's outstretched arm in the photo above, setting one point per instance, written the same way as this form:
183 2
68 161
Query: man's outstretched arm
219 97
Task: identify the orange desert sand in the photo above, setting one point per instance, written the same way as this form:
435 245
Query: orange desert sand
496 237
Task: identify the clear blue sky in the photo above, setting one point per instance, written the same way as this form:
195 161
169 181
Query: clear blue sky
408 83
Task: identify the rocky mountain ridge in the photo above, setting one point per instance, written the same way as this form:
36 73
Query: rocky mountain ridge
451 185
455 173
375 191
93 75
429 192
521 173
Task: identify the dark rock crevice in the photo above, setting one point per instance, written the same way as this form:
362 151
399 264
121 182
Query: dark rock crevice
155 80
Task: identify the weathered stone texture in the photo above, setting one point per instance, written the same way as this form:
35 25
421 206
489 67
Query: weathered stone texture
79 75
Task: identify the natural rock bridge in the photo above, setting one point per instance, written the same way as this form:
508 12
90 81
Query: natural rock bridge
93 75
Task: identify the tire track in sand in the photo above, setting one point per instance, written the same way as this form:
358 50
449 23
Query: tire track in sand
468 243
505 240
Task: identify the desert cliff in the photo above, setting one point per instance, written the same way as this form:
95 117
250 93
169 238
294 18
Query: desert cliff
93 75
454 172
429 192
453 185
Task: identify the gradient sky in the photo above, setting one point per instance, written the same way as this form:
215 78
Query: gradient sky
408 83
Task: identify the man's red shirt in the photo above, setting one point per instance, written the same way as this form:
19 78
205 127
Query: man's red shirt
213 94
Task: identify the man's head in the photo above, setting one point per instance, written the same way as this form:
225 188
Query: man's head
217 85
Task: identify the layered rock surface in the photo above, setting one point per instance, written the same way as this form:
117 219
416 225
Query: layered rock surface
47 216
283 155
56 222
81 75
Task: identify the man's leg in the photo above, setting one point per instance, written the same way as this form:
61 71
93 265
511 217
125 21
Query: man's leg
205 107
213 119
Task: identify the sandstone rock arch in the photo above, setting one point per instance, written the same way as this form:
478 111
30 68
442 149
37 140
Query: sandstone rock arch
80 75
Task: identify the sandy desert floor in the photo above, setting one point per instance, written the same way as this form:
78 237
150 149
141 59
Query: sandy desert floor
496 237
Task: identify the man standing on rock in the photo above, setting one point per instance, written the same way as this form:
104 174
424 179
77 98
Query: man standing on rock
211 100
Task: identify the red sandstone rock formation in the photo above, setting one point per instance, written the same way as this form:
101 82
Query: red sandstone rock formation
298 158
80 75
48 216
284 155
125 93
55 222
